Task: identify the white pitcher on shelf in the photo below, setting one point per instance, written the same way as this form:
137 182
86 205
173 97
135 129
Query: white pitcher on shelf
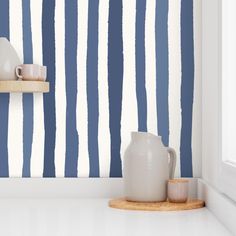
8 60
147 168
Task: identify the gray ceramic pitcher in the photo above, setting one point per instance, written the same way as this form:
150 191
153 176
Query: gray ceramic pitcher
147 166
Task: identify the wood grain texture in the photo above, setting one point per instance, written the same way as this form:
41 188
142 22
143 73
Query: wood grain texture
121 203
182 180
24 87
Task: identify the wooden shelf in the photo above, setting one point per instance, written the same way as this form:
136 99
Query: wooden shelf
13 86
121 203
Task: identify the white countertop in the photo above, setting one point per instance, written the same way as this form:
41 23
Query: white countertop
59 217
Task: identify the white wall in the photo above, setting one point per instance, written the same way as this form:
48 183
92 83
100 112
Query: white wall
210 90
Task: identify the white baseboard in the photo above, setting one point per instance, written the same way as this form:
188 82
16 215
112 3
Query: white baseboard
69 188
60 187
219 204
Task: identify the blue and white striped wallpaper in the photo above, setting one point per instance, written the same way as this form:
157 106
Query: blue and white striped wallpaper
114 66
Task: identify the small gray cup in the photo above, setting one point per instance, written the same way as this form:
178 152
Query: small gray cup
177 190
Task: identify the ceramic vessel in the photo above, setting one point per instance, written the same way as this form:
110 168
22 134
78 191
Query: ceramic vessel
28 72
177 190
147 167
43 73
8 60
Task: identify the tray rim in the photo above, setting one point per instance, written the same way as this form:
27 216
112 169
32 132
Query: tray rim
191 204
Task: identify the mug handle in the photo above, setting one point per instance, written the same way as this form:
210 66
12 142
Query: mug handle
172 162
18 68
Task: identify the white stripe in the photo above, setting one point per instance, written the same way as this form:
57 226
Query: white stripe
174 78
150 64
15 122
37 156
196 125
82 113
129 118
103 128
60 92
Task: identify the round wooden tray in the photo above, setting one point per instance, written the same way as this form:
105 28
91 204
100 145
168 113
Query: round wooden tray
121 203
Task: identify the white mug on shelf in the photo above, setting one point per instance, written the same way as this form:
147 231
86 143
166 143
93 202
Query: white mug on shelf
43 73
28 72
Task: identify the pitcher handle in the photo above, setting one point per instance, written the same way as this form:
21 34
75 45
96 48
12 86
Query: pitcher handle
172 162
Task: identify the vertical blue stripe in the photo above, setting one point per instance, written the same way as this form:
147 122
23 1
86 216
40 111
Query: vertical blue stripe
162 76
4 97
71 87
48 36
140 64
115 82
27 98
92 87
187 56
4 19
